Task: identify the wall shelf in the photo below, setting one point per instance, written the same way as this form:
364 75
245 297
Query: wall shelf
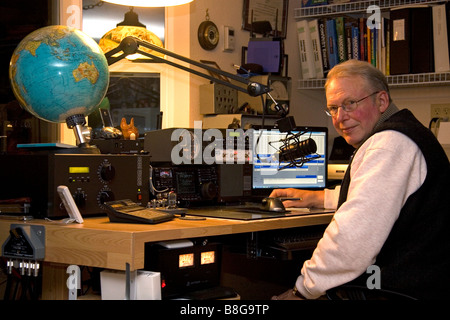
354 7
397 81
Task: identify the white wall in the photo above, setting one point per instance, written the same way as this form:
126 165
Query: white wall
306 107
222 13
176 83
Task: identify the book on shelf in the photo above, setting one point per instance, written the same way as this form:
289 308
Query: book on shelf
352 37
315 40
341 39
387 49
313 3
380 47
305 50
332 46
422 53
371 45
348 39
323 45
440 38
362 39
400 42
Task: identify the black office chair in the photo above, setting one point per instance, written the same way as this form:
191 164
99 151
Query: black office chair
355 292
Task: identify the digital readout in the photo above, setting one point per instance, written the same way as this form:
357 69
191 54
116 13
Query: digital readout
78 169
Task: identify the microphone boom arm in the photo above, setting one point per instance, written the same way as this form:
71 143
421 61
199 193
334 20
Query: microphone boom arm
130 45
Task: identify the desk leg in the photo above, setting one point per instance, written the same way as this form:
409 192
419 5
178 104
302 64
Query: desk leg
130 283
54 281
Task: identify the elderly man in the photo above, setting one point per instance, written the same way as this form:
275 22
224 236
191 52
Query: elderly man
392 207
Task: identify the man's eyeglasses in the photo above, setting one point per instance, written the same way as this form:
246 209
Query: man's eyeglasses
346 106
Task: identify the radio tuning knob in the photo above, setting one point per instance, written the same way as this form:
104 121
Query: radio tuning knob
107 172
209 190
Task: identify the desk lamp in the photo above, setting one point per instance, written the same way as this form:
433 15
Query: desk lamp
132 45
130 26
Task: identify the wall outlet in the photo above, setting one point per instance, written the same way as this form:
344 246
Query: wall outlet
441 110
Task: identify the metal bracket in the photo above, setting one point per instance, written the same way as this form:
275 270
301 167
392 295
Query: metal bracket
25 242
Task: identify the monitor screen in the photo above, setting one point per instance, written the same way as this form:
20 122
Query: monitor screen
269 173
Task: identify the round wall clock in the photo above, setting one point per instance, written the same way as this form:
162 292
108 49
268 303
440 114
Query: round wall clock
208 34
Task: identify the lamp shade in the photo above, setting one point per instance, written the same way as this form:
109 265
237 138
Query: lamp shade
149 3
112 39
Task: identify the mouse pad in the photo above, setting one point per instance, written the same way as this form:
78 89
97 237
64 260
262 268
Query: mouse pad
260 210
250 213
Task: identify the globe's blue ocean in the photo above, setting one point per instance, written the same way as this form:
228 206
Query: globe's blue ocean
58 71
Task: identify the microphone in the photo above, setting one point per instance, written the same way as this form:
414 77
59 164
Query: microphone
295 151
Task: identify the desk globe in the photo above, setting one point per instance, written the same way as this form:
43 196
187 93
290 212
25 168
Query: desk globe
58 74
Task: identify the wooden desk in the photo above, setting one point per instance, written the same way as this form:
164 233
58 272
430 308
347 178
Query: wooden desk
100 243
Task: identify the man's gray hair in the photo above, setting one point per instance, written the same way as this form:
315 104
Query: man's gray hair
374 78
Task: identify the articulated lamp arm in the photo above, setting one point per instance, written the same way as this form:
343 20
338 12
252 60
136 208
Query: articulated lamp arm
130 45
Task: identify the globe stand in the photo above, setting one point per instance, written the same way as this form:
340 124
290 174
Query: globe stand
77 122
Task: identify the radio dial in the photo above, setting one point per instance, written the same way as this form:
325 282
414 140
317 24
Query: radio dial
209 190
107 172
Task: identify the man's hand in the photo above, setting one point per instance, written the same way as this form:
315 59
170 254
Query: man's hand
287 295
308 198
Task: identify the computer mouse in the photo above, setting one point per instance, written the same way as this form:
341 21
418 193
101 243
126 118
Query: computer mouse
273 204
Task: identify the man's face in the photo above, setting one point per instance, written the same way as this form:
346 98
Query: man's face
357 125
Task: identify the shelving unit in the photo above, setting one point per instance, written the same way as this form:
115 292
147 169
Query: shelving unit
354 7
396 81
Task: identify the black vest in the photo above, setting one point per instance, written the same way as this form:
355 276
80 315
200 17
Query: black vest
415 259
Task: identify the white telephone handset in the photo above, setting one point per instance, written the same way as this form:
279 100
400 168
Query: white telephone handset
69 204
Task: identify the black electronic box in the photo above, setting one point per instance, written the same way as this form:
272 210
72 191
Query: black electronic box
92 179
226 180
184 269
204 184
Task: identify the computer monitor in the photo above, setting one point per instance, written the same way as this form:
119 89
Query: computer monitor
269 173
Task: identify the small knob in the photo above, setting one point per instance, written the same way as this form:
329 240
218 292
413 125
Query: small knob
80 198
105 196
107 172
